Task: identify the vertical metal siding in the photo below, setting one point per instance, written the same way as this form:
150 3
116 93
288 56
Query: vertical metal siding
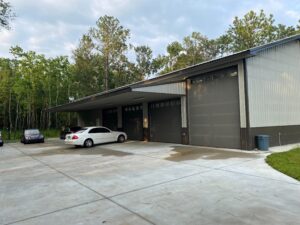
174 88
213 101
183 112
273 86
242 97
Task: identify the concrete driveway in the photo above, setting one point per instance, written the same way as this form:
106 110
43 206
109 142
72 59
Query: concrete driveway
142 183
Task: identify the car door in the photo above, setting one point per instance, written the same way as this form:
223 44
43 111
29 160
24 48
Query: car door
105 135
94 134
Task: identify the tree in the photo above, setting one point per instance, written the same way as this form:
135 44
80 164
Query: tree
88 69
253 29
283 31
6 14
198 48
194 49
110 40
144 62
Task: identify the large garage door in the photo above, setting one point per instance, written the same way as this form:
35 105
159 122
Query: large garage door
214 109
165 121
133 121
110 118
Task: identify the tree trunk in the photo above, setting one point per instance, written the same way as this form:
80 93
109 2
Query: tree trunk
16 119
49 103
9 115
56 103
106 74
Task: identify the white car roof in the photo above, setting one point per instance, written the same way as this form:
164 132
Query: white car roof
94 127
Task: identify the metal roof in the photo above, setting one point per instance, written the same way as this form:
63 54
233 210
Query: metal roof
176 76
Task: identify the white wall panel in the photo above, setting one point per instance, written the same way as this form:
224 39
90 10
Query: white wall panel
274 86
242 97
174 88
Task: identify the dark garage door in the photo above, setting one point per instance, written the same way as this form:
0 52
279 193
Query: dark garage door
110 118
213 102
133 122
165 121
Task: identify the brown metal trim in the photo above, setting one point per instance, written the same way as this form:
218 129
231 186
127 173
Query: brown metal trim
279 135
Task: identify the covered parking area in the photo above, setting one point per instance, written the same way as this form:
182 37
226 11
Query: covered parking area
148 112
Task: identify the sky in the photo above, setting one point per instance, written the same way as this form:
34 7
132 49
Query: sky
54 27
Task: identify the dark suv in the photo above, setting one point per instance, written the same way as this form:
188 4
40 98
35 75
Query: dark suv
32 136
69 130
1 141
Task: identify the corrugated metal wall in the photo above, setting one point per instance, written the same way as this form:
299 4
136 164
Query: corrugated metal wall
174 88
273 86
213 101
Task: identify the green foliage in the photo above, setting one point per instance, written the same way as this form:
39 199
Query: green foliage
6 14
111 42
145 65
254 29
87 70
31 83
194 49
286 162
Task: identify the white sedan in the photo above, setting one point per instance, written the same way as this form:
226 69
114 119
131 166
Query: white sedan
89 136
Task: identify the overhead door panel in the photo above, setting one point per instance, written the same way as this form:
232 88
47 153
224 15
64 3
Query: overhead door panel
165 121
213 102
110 118
133 121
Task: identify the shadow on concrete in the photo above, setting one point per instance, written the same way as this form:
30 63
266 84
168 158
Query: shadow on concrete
181 153
82 151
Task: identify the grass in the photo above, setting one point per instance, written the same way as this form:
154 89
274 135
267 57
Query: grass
286 162
16 136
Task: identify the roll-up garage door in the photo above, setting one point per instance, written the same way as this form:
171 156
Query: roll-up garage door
110 118
133 121
165 121
213 102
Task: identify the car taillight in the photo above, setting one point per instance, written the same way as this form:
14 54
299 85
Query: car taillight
75 137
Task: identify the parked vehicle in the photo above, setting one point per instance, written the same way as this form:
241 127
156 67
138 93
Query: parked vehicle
1 140
32 136
90 136
69 130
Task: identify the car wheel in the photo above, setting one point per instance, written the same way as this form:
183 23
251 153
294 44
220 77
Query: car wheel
43 141
88 143
121 139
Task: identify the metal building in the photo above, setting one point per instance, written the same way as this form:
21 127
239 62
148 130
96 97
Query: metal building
224 102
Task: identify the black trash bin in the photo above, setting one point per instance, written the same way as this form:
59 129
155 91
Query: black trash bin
262 142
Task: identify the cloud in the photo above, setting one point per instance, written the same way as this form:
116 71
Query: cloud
54 27
293 14
112 7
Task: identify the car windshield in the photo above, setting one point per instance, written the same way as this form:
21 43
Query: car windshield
74 129
32 132
81 130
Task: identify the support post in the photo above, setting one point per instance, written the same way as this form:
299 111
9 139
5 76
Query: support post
146 130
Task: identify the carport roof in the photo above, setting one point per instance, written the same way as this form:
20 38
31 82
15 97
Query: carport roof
109 99
125 94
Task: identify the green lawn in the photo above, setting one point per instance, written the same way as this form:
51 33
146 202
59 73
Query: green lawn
286 162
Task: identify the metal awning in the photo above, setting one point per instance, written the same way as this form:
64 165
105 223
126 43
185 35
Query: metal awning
124 96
